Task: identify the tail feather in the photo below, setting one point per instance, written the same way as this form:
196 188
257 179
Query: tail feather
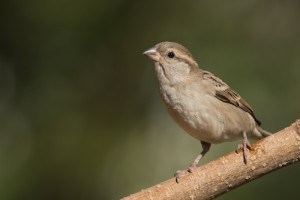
263 132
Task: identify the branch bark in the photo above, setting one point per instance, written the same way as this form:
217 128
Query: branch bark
228 172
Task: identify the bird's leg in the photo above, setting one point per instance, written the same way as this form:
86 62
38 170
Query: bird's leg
205 147
246 144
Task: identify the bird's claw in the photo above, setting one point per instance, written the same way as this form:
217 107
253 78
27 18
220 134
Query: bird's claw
244 146
178 173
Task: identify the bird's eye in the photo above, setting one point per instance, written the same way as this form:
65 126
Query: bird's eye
171 54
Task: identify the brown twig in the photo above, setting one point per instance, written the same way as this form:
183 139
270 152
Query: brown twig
228 172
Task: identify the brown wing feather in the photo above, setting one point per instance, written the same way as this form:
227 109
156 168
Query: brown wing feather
226 94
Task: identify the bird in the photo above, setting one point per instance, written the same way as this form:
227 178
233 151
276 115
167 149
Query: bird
201 103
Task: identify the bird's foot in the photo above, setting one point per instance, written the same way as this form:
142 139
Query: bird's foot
179 173
246 144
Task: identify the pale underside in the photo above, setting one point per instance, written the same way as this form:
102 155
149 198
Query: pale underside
201 114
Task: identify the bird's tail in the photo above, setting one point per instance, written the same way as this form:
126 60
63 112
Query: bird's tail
263 132
259 133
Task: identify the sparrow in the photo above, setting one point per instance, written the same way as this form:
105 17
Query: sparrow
201 103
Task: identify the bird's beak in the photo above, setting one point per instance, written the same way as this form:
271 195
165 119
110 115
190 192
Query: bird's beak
152 54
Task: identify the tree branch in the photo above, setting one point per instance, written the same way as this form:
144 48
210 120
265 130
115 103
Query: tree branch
228 172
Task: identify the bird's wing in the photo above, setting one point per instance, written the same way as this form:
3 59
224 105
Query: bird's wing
224 93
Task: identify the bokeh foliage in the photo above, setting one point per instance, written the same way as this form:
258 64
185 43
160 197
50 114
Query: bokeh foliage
80 112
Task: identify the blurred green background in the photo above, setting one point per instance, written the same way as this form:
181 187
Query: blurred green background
80 112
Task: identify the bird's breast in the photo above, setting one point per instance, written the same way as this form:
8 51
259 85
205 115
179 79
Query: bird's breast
191 111
202 115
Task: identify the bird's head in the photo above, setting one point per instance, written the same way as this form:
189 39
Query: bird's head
172 58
